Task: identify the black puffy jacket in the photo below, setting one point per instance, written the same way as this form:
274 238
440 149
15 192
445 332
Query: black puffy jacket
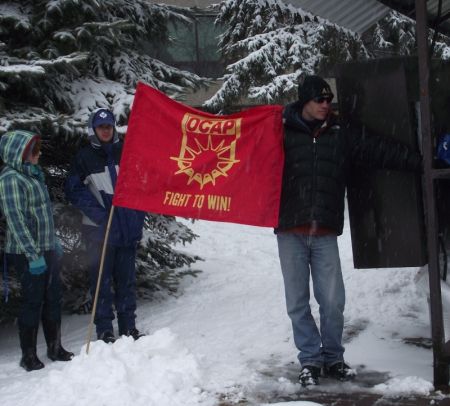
318 163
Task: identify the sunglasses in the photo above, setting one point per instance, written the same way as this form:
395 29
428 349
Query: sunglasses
321 99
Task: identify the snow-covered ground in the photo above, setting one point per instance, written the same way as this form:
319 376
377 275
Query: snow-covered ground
227 336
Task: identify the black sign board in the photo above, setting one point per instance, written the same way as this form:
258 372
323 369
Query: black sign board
385 207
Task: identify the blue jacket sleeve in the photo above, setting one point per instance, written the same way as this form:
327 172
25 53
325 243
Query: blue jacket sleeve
78 193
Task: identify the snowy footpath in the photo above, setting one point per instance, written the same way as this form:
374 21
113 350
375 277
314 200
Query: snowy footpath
226 339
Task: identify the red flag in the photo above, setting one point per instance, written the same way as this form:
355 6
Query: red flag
183 162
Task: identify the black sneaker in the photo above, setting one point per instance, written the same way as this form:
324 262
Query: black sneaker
309 375
340 371
134 332
107 337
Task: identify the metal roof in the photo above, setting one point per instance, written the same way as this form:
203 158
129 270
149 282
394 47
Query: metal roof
360 15
356 15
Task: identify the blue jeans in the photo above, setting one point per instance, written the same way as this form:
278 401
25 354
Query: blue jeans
301 255
117 287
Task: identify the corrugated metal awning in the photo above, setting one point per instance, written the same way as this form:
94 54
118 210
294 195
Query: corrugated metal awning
360 15
356 15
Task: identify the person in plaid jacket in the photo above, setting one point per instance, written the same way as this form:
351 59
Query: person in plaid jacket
31 247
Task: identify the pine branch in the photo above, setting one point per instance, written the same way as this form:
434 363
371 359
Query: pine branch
18 70
71 59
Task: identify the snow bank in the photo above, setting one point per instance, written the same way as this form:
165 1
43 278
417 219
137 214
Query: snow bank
411 385
154 370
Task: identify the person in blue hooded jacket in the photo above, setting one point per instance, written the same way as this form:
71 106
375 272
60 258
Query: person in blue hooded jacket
90 188
31 247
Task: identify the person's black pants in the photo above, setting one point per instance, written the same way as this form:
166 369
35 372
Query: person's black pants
41 294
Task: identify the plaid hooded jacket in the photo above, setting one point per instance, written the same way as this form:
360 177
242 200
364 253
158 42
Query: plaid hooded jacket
24 200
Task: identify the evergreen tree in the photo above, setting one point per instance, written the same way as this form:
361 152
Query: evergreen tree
61 59
396 35
268 45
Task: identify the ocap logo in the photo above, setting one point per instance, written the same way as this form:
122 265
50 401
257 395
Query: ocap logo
103 114
208 148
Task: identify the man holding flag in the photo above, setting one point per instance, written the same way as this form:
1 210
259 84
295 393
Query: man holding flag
318 159
90 188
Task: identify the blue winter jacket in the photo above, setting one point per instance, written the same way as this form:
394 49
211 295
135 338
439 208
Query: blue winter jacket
90 188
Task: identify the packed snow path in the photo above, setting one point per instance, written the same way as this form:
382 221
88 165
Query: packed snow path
227 337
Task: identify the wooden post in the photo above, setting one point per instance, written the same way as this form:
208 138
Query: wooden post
440 363
99 278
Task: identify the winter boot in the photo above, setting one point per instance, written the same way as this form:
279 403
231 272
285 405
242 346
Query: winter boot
28 338
340 371
52 333
309 375
107 337
134 332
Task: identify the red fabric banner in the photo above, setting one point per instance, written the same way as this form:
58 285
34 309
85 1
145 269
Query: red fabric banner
183 162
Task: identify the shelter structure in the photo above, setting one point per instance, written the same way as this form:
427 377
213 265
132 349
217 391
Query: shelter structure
439 18
358 15
434 14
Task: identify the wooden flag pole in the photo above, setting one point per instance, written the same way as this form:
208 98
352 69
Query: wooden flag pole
99 278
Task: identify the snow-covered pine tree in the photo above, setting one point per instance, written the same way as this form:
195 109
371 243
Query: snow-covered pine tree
269 45
395 34
59 60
